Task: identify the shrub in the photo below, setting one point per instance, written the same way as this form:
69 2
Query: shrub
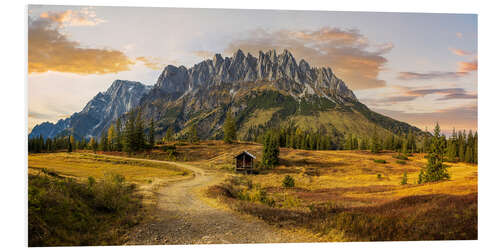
291 201
400 157
379 176
288 181
380 161
401 162
404 181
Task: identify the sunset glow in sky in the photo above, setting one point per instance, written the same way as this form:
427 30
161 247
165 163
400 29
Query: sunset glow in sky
417 68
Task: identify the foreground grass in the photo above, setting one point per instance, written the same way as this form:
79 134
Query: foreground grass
79 199
64 212
416 217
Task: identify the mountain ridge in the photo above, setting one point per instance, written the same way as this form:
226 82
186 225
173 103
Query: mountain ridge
261 92
98 113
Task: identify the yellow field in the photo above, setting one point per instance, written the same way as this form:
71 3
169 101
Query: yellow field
348 177
83 165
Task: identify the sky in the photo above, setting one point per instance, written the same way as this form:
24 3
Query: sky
415 67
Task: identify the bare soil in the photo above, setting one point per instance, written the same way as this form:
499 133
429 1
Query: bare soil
182 217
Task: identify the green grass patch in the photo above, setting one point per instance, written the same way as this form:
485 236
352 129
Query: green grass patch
63 212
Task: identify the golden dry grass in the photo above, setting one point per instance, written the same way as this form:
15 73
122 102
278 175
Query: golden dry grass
351 178
83 165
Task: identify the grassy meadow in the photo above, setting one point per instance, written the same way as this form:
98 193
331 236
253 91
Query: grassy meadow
334 195
349 195
80 199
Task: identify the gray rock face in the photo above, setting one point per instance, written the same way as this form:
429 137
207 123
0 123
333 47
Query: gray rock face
299 79
99 113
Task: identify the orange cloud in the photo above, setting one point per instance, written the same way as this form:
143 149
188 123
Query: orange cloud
459 35
49 50
83 17
150 62
466 67
460 52
347 52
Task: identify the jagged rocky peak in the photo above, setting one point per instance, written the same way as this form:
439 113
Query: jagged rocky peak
269 66
99 112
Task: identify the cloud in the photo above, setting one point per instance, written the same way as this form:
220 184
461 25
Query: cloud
460 52
459 35
50 50
37 115
409 94
430 75
462 117
465 67
204 54
352 57
84 17
150 62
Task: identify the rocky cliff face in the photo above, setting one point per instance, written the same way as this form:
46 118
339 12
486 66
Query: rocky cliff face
262 91
280 70
99 113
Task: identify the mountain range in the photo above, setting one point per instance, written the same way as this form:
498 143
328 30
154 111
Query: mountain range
268 90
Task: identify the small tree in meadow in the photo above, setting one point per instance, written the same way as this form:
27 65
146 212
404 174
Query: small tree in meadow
404 181
435 169
288 181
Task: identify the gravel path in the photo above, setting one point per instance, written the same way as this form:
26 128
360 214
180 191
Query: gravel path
181 217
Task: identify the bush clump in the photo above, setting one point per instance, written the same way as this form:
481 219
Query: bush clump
400 157
288 181
380 161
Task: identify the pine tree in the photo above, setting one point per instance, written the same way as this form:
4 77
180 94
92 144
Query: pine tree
140 141
229 128
404 180
111 138
475 154
435 170
193 134
119 135
71 142
103 143
70 147
93 144
375 143
129 141
270 154
151 134
348 142
168 135
355 143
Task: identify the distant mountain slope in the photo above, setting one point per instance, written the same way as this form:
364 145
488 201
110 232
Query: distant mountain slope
98 114
262 92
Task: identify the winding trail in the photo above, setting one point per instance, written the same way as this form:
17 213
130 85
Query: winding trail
181 217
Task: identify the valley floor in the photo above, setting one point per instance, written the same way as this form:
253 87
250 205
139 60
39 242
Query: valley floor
338 195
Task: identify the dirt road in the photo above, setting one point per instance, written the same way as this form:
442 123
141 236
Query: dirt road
181 217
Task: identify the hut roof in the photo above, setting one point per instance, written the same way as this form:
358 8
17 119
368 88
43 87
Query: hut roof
244 152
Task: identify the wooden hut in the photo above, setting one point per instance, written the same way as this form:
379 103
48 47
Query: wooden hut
244 162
